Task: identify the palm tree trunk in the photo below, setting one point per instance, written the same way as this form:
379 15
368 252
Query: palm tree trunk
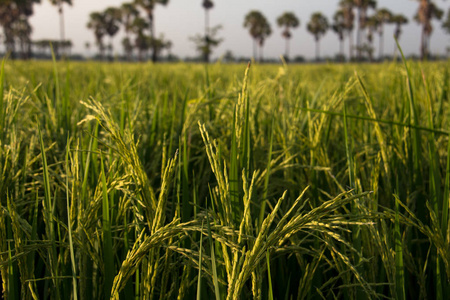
261 57
350 45
317 50
206 53
254 50
341 47
422 44
381 43
358 36
424 11
152 36
286 53
61 23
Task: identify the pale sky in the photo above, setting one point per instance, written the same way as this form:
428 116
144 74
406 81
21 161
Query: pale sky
182 19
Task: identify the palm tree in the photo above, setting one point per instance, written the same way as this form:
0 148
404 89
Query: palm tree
98 24
372 24
317 26
205 45
59 4
22 30
338 27
426 13
128 13
362 6
399 21
349 17
207 5
113 17
138 27
14 18
149 7
259 29
288 20
384 16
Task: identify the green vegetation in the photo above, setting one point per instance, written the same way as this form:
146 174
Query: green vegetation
185 181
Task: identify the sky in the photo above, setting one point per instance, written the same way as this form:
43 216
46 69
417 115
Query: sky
182 19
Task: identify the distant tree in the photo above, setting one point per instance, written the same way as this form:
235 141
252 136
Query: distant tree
128 13
399 21
384 16
112 18
22 30
346 6
87 45
141 41
59 4
446 23
204 45
229 56
160 44
425 14
98 24
127 47
14 18
207 6
149 7
259 29
288 20
339 28
317 26
362 6
372 25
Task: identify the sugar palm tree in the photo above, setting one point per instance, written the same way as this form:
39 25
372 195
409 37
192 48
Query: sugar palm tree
128 13
207 6
399 20
384 16
372 25
60 6
98 24
288 20
425 14
362 6
112 17
149 7
259 29
346 6
338 27
14 18
22 30
317 26
141 42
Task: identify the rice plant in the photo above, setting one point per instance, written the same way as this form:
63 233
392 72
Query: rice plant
183 181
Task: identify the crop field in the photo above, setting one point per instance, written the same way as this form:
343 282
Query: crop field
185 181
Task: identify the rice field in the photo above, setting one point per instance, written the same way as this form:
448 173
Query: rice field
184 181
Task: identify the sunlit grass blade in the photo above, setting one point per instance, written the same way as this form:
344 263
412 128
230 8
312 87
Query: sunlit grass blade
49 215
399 264
269 277
108 255
213 259
266 179
200 258
2 95
69 227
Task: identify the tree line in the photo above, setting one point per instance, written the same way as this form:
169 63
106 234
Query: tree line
137 19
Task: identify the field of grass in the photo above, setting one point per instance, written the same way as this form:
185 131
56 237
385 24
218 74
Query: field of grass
183 181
